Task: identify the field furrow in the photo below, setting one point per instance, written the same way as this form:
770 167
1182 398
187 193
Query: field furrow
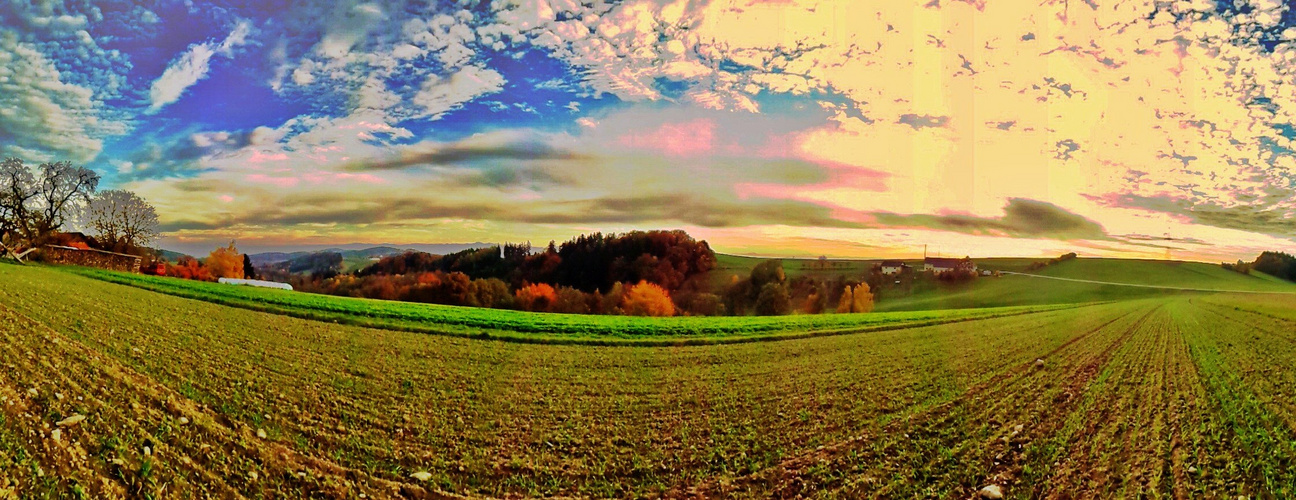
1179 397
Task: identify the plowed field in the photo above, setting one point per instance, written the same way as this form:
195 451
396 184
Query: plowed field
1186 396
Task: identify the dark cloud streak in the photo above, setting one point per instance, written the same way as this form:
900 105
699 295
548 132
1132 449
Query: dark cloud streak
1023 218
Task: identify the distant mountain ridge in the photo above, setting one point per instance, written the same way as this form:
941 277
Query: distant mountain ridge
264 258
349 251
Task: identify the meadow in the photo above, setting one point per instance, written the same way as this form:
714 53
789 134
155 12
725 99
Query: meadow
1178 395
523 326
1021 290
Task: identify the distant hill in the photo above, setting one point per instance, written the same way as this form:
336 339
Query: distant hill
357 258
364 253
264 258
170 256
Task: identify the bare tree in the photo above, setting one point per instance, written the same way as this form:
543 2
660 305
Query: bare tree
15 196
32 206
121 219
62 190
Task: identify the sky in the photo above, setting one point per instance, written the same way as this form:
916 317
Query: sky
791 128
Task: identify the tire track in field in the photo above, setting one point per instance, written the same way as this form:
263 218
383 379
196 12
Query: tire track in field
790 477
239 441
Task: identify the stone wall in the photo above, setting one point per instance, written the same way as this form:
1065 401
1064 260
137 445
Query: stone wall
91 258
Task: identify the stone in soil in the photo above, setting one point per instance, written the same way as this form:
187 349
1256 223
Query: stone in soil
991 492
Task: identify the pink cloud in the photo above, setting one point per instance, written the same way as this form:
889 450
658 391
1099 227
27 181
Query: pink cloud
263 157
274 181
840 175
338 177
690 138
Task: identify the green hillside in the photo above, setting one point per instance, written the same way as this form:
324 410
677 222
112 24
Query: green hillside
1024 290
1162 273
1013 290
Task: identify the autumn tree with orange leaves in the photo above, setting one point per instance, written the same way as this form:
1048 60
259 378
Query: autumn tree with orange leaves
856 300
647 299
225 262
536 297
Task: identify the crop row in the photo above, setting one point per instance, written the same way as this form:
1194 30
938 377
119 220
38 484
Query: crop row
1177 397
496 418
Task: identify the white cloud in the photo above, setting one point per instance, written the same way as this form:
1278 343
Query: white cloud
146 16
236 38
351 24
42 117
406 51
441 94
182 73
192 66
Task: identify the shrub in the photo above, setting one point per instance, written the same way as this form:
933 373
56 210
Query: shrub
856 300
572 301
647 299
490 292
704 304
957 276
189 268
862 299
773 300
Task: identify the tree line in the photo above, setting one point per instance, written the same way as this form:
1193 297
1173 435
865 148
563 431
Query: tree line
589 263
1276 264
633 273
668 268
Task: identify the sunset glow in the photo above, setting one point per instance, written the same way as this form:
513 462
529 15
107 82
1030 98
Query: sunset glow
849 129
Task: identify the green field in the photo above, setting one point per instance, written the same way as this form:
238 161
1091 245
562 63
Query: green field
1009 290
1020 290
531 327
1178 395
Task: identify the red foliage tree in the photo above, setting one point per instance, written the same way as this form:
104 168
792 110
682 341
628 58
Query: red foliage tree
538 297
189 268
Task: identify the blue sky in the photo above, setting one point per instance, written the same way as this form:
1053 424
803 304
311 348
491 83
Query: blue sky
792 128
